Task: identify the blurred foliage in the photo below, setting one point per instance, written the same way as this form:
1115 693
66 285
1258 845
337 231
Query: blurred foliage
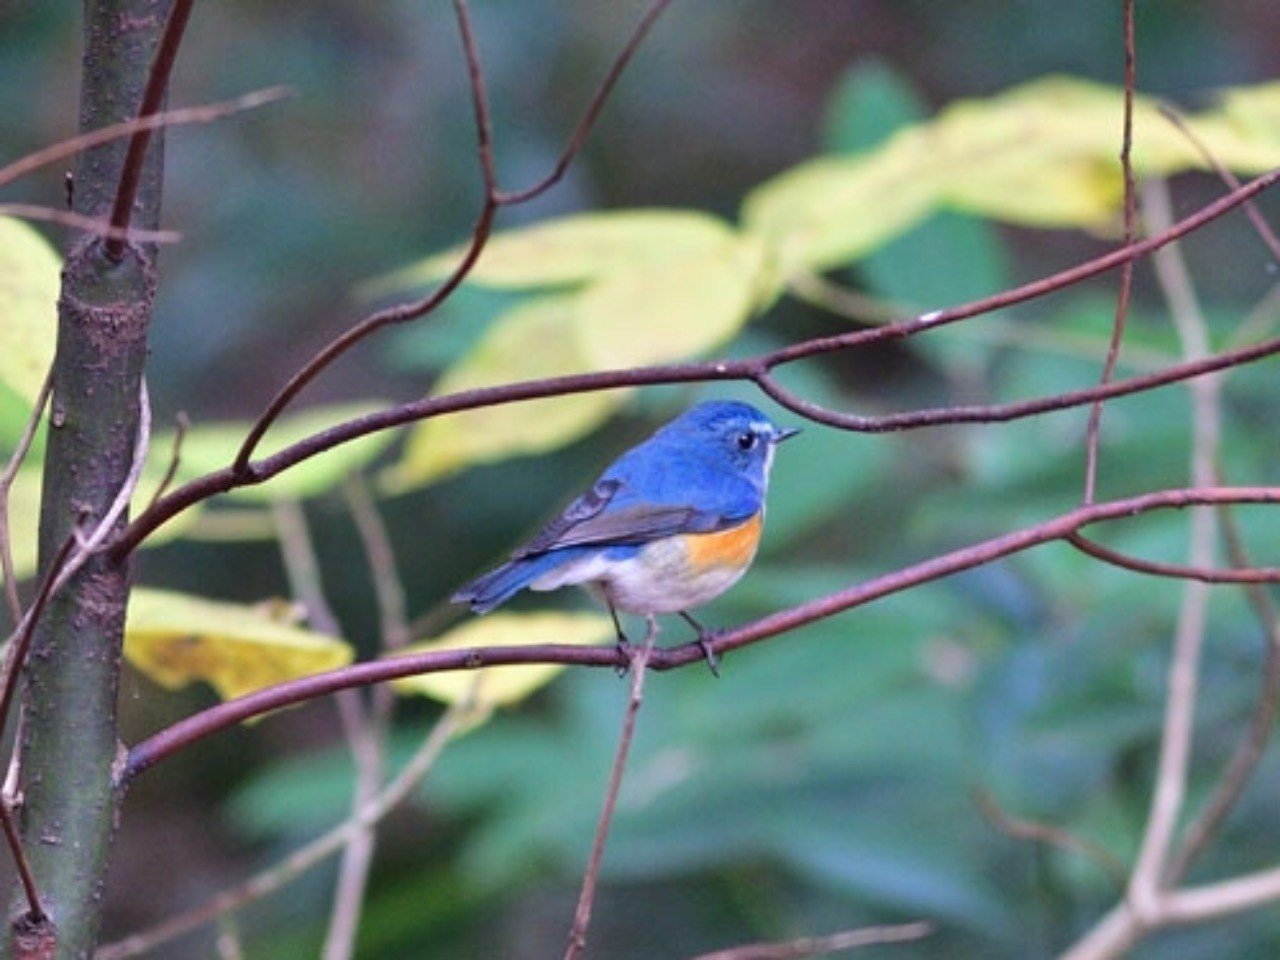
826 781
177 639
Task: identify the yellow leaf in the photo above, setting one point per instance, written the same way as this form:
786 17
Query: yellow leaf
572 250
177 639
535 339
492 687
659 312
209 447
29 279
832 210
1043 154
24 520
24 516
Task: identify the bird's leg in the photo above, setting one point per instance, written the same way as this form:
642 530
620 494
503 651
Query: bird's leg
705 637
624 645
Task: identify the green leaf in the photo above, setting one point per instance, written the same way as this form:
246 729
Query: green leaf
539 338
29 279
573 250
870 102
484 690
177 639
210 447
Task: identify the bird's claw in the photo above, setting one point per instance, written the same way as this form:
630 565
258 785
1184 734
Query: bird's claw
709 653
628 652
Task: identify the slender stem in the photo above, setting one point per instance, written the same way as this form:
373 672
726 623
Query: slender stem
365 741
755 369
494 199
11 469
167 742
115 131
821 946
1242 573
591 877
1248 752
302 859
1023 829
1148 879
94 225
35 907
1093 433
152 98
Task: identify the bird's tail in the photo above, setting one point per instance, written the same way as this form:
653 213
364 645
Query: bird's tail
498 586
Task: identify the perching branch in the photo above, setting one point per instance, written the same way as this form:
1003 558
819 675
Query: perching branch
639 666
494 199
153 95
1093 431
185 732
756 369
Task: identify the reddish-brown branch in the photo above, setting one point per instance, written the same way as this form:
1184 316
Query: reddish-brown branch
1248 752
169 118
1093 432
1177 571
822 946
35 907
152 98
577 941
1035 832
754 369
1260 224
494 199
579 136
185 732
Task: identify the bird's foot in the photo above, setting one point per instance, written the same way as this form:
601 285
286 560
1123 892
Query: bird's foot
627 651
705 637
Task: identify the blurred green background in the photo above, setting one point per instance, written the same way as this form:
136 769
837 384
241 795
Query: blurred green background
827 780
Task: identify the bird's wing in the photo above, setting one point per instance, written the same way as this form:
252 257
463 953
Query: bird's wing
609 514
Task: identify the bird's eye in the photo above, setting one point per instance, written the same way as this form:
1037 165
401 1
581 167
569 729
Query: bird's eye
746 440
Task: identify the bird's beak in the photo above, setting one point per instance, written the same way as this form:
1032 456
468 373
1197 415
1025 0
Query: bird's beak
785 434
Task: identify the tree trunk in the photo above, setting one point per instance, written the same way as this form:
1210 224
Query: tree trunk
68 736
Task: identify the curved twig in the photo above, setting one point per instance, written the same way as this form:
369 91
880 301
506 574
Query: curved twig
494 199
167 742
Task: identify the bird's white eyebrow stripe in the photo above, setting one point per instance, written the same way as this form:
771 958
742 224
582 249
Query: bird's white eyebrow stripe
761 426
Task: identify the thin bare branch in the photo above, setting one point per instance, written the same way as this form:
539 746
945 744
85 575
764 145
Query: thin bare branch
1147 882
181 424
639 665
303 859
363 737
493 200
383 569
1260 224
1094 429
31 211
755 369
167 742
169 118
1248 752
1178 571
152 99
592 113
820 946
16 459
35 907
1021 829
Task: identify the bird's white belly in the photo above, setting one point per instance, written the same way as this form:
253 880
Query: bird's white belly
658 579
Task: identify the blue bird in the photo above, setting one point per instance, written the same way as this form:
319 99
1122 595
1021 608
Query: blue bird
670 525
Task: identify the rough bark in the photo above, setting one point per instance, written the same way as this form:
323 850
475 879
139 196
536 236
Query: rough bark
69 746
